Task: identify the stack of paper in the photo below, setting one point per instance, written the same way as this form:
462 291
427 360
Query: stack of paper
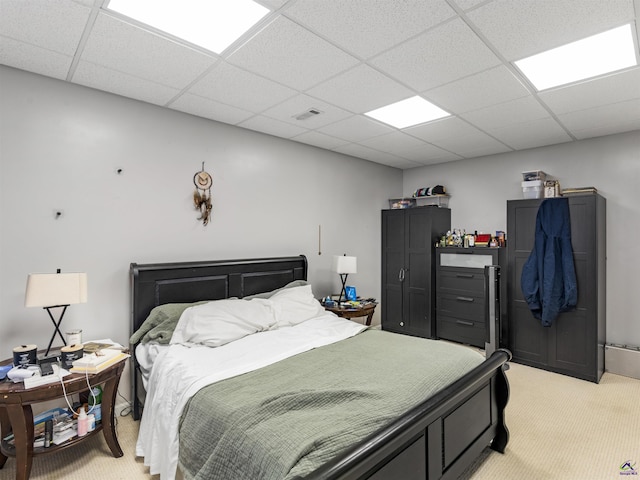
97 362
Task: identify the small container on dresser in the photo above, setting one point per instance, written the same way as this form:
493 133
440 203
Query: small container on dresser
460 293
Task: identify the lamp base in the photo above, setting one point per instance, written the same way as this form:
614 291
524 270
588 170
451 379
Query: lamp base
343 278
56 326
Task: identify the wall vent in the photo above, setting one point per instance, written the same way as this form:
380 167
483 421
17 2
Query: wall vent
309 113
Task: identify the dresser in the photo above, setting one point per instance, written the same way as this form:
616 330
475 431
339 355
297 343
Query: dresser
461 306
408 268
574 344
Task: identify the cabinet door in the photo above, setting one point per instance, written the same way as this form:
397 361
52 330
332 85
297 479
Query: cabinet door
393 245
573 336
528 340
418 281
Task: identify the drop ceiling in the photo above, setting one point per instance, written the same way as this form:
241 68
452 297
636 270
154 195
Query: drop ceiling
345 58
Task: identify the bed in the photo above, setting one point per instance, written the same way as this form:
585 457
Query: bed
424 427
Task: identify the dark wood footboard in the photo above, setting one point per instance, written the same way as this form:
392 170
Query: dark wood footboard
439 438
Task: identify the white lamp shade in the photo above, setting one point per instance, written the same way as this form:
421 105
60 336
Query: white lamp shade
52 289
344 264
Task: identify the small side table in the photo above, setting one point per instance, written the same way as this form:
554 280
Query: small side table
354 312
16 414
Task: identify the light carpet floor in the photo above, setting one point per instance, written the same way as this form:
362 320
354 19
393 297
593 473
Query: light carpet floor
561 428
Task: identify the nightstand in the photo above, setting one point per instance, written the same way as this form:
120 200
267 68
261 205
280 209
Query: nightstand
16 414
354 312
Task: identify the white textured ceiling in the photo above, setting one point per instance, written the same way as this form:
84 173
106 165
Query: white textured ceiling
344 58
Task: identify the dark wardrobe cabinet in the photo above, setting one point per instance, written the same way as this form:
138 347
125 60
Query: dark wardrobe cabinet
574 344
408 269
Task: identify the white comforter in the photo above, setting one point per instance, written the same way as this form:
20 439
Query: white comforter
179 372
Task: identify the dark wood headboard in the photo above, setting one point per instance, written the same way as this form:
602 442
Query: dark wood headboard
186 282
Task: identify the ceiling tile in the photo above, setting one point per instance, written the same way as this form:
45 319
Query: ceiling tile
432 155
97 76
155 58
492 86
409 147
272 127
291 55
613 88
603 120
446 53
368 27
273 4
233 86
56 26
206 108
394 142
356 128
367 153
457 136
319 140
469 4
34 59
525 27
361 90
536 133
287 110
508 113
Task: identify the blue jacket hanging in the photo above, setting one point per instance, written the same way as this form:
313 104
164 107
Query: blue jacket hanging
548 276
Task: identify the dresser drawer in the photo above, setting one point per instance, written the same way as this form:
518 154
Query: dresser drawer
460 281
469 307
461 330
470 259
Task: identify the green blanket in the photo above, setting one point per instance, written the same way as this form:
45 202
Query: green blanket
160 324
289 418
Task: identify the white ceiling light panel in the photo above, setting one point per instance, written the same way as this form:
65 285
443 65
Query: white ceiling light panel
408 112
210 24
590 57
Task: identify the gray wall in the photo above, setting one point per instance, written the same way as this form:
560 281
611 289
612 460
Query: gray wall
61 144
60 147
480 187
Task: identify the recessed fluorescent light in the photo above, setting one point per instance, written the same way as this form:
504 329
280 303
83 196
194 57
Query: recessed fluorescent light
406 113
213 25
592 56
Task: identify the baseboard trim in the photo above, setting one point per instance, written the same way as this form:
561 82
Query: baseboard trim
622 360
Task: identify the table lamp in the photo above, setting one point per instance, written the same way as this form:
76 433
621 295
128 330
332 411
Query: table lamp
344 265
55 290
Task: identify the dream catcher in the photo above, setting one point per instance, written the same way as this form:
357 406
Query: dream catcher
202 195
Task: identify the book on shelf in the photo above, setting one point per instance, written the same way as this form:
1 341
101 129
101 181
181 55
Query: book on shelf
579 191
54 414
97 362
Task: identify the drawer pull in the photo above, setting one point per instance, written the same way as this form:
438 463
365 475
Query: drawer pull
462 322
465 299
465 275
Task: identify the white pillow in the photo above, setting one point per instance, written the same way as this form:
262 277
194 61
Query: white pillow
222 321
295 305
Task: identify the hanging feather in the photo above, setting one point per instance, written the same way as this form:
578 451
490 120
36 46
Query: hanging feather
202 195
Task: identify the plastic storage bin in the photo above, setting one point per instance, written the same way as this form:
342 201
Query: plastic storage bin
534 175
532 189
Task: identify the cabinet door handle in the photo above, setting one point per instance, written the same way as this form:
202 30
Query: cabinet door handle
464 275
462 322
401 275
465 299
